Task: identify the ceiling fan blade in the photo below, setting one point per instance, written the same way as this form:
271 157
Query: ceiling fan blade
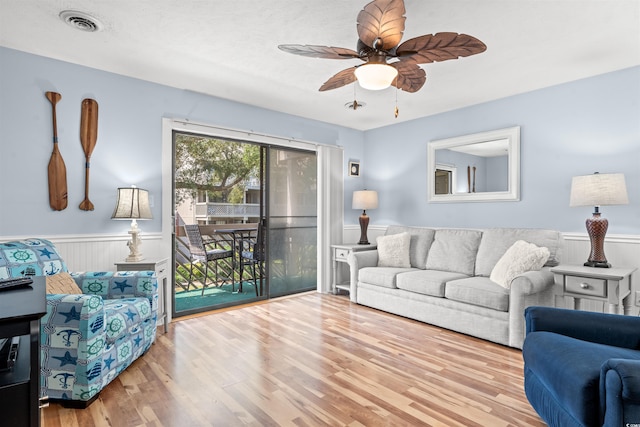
383 20
439 47
343 78
314 51
410 77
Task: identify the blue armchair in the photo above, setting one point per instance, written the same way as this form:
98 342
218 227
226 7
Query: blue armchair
582 368
89 336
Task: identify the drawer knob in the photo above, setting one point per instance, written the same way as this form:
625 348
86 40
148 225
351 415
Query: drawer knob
584 285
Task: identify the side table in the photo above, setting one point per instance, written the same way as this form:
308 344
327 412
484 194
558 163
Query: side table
339 254
608 285
161 267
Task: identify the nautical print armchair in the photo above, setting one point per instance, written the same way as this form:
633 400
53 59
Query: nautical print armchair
91 335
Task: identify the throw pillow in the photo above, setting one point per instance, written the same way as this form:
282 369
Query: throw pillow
62 283
454 250
421 240
393 250
519 258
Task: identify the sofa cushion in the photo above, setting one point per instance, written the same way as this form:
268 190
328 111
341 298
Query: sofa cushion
421 240
393 250
496 241
570 370
427 282
519 258
454 250
478 291
381 276
61 283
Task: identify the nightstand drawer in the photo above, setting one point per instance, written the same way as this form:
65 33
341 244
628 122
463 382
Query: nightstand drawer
341 254
586 286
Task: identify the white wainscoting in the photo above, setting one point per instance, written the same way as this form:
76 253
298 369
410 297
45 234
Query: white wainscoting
620 250
98 252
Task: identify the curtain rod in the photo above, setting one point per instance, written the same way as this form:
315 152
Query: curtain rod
239 133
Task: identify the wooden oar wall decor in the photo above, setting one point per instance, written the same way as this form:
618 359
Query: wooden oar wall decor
88 139
57 169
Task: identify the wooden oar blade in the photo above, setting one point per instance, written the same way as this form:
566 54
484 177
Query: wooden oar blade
57 170
57 182
53 97
86 205
89 125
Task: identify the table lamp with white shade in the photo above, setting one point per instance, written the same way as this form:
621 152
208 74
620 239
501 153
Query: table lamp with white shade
133 204
365 199
598 190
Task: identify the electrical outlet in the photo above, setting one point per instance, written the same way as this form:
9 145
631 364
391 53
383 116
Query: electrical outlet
637 298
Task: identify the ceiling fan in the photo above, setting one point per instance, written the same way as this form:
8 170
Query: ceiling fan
386 61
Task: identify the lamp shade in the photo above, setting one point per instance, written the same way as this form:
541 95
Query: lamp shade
365 199
132 203
375 76
599 189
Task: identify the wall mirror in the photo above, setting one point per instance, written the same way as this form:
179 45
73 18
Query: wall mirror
481 167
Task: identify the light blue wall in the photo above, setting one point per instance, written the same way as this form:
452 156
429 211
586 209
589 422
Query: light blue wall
571 129
128 150
567 130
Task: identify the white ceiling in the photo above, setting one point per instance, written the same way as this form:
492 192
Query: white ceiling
229 48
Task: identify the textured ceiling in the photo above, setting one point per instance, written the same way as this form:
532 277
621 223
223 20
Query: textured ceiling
229 48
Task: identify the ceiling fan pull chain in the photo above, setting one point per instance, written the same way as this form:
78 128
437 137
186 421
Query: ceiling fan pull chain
396 110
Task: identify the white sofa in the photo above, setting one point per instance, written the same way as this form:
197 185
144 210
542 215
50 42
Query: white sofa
448 281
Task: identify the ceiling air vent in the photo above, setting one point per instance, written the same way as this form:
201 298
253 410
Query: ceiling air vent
80 21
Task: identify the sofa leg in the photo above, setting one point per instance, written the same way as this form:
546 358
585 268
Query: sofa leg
74 404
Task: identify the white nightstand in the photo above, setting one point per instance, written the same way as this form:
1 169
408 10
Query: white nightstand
608 285
339 254
161 267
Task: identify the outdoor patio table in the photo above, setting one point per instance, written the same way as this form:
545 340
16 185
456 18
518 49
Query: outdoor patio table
237 237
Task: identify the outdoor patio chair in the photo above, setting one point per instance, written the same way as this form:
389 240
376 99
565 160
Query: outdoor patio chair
199 252
252 253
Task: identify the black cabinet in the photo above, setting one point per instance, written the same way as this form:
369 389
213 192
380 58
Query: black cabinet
20 313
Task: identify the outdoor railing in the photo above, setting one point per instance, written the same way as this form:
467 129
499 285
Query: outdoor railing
231 210
184 280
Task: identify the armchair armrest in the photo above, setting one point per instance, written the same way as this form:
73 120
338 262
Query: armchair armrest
73 338
74 322
120 284
603 328
620 392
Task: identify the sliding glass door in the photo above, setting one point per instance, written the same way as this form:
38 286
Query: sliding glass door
254 205
292 218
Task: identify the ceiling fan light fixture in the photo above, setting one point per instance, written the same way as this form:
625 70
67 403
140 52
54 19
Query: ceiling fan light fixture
375 76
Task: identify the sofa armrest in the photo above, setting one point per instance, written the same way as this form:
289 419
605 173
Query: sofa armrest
603 328
620 392
532 282
533 288
358 260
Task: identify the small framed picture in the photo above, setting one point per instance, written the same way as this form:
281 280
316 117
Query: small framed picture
354 168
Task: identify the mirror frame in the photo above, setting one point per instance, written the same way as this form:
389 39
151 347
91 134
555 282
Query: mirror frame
512 134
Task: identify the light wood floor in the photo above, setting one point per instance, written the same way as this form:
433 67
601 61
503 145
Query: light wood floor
311 360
